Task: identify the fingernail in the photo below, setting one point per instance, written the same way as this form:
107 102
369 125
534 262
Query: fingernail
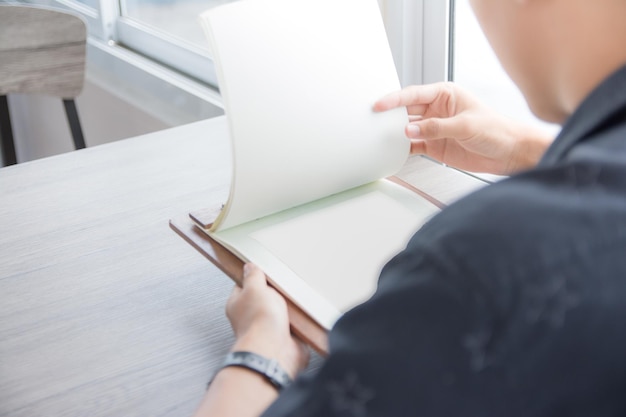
247 269
413 131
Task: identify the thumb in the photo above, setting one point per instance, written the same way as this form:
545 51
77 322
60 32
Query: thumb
253 277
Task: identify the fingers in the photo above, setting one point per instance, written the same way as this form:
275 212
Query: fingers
418 147
415 95
253 277
438 128
253 280
250 299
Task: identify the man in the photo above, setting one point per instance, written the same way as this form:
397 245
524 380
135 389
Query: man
510 302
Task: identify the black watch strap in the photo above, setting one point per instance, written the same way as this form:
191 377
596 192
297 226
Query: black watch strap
269 368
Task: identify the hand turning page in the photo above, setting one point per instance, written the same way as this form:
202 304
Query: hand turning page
307 203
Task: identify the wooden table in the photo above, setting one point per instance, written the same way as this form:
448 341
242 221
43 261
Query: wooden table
104 311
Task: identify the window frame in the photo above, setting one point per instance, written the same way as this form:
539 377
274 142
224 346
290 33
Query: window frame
421 51
168 50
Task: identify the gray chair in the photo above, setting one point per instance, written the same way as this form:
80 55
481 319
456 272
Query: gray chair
42 51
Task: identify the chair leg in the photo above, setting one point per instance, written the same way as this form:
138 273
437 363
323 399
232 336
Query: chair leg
72 118
6 133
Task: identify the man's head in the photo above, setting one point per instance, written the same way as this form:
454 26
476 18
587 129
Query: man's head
556 51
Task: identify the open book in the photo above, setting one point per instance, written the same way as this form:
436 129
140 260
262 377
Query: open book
309 202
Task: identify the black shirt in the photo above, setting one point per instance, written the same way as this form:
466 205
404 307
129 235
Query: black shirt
510 302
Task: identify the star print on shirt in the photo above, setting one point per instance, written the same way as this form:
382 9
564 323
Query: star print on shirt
550 300
349 397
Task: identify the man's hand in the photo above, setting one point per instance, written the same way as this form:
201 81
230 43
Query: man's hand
258 315
449 125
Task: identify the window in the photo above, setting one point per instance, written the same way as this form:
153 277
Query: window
168 32
174 18
91 3
431 41
418 32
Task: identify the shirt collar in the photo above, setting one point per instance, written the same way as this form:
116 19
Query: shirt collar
603 103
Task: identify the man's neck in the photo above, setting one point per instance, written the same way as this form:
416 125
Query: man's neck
593 51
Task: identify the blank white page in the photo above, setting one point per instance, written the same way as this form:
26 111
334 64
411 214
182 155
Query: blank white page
326 256
340 250
299 79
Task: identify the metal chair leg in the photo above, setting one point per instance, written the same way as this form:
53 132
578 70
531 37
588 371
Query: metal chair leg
6 133
72 118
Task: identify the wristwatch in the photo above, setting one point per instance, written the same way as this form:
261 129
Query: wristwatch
269 368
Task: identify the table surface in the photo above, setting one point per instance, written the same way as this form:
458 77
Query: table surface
105 311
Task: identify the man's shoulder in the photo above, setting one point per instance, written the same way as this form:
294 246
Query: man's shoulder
531 222
540 201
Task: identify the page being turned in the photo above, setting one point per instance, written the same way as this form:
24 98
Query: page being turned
298 80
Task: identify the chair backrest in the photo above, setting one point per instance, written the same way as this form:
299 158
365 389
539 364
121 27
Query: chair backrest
42 51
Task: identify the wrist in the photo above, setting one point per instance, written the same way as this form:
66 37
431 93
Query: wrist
282 351
535 146
251 390
530 147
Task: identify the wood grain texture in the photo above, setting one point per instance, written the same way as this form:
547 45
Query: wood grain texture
41 51
104 311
